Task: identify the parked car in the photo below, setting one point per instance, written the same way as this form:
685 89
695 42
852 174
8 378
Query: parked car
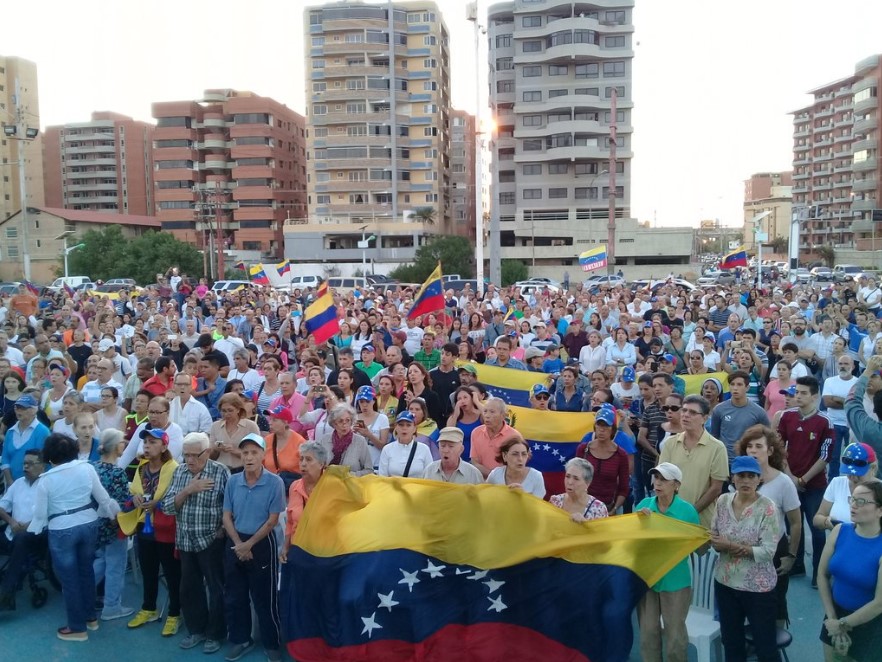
802 275
9 289
711 278
540 283
843 273
125 282
459 285
345 285
593 286
302 282
823 274
381 281
72 282
230 285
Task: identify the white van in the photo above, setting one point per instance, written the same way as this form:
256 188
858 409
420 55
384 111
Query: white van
71 281
303 282
348 284
230 285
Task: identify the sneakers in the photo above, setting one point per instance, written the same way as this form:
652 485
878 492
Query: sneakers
111 613
172 623
211 646
191 641
66 634
238 651
142 617
92 625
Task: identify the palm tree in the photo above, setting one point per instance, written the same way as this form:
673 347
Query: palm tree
425 215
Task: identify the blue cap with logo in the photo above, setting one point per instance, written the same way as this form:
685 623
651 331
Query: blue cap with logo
27 402
605 415
856 459
790 391
366 393
629 375
405 416
539 389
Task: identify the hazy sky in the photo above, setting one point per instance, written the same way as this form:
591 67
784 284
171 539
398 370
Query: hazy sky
713 81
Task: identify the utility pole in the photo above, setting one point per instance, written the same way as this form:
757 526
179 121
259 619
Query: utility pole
472 15
611 225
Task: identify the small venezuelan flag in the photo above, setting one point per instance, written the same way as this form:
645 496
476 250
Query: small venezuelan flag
283 267
258 275
593 258
430 297
737 258
320 318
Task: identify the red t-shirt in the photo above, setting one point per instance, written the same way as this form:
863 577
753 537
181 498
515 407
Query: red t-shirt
807 440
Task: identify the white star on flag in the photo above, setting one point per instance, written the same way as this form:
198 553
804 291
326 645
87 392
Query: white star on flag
433 570
496 605
370 624
410 578
387 601
460 571
479 574
555 452
546 447
493 585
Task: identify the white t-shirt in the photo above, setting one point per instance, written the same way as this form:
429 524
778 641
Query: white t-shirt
533 484
798 370
381 422
782 491
414 339
394 456
838 387
136 444
712 360
837 493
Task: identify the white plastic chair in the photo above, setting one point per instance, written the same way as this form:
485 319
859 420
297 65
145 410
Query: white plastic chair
701 625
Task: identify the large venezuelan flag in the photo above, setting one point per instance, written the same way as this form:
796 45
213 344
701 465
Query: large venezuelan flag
737 258
593 258
320 318
400 569
430 298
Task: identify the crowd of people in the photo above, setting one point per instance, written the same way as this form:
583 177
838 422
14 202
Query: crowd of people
195 425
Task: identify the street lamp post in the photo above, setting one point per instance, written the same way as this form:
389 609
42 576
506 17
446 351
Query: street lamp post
472 15
67 251
759 238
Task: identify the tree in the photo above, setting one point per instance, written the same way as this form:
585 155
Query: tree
425 215
513 271
108 254
827 254
454 253
780 244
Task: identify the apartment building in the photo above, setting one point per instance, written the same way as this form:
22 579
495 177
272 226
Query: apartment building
20 141
378 91
463 177
229 168
767 191
837 173
554 69
105 164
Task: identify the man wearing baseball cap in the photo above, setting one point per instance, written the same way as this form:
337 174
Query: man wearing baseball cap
533 356
253 501
540 397
451 468
27 434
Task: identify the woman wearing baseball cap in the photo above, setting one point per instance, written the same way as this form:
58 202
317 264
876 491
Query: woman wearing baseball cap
282 443
858 465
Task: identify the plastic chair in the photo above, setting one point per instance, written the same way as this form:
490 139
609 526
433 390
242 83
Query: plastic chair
701 625
783 639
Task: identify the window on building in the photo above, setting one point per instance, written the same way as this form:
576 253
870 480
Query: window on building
557 69
504 64
534 145
531 21
531 71
585 193
506 176
356 108
430 63
620 191
532 168
531 120
557 192
558 117
506 198
558 168
320 132
587 91
613 69
616 41
504 86
532 96
318 63
173 122
503 41
532 46
532 194
590 70
617 17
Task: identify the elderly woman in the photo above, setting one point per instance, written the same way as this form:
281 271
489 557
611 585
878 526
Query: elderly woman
849 580
371 424
112 553
576 500
226 433
155 530
282 443
764 444
669 599
405 456
65 501
745 531
514 472
345 446
858 466
316 421
314 459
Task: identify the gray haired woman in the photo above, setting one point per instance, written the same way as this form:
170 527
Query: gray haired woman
111 553
71 405
346 447
576 500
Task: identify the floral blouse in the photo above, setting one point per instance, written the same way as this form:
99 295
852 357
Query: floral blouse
758 527
114 480
595 510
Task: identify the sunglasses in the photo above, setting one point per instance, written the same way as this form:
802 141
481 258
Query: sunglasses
854 462
542 397
671 408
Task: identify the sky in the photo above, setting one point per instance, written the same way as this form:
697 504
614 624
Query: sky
713 81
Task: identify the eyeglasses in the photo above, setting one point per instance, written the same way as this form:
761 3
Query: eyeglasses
854 462
859 502
157 411
194 456
671 408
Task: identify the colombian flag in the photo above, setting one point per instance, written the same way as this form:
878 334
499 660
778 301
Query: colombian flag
593 258
737 258
430 298
283 267
258 275
320 318
407 569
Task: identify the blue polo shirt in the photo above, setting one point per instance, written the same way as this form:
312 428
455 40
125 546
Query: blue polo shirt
251 505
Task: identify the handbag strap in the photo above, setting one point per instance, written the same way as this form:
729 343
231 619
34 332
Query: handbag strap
410 459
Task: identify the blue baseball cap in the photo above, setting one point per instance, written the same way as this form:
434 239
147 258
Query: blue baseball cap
605 415
628 375
789 391
366 393
157 433
856 459
745 464
368 348
405 416
539 389
669 358
27 402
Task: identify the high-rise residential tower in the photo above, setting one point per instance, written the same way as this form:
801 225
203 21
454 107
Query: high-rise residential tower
105 164
378 97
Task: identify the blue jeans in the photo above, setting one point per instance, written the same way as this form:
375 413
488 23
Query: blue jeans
110 564
73 551
810 500
840 441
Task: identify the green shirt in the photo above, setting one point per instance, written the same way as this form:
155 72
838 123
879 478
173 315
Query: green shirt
679 577
371 370
430 360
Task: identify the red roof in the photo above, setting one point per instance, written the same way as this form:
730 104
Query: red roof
104 218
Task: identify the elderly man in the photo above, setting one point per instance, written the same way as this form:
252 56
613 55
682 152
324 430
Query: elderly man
17 510
253 501
196 499
185 410
488 438
451 468
92 390
27 434
44 350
